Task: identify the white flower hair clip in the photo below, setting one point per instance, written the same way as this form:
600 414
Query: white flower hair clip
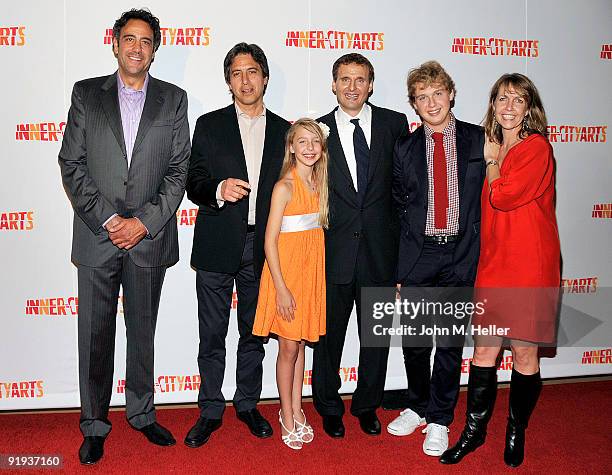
324 128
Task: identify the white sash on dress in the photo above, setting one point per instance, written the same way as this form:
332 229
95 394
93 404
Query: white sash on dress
300 222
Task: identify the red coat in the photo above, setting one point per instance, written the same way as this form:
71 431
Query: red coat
519 243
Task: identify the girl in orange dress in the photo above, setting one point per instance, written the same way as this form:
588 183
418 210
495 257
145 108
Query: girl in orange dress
519 268
291 302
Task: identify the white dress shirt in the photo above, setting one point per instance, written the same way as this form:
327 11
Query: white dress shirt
345 131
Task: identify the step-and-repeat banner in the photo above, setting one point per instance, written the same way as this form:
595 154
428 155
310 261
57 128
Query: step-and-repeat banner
45 46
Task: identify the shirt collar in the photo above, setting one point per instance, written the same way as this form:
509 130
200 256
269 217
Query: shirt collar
126 89
447 130
240 113
364 115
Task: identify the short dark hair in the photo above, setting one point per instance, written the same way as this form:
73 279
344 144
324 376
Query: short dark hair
139 14
353 58
244 48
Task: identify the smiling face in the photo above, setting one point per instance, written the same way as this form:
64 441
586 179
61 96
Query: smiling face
247 81
134 52
306 146
510 109
352 87
433 104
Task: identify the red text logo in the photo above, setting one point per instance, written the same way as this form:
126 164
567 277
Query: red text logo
22 389
585 285
496 47
603 356
186 217
577 133
17 221
40 131
602 210
332 39
185 36
12 36
606 52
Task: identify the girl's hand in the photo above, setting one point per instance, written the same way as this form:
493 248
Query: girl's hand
285 304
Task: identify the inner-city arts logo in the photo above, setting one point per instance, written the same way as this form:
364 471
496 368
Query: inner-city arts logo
505 364
606 52
17 221
602 210
40 131
496 47
183 36
12 35
583 285
59 306
186 217
347 375
603 356
169 383
333 39
22 389
577 133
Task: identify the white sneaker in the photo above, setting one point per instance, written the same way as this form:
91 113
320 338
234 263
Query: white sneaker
405 423
436 441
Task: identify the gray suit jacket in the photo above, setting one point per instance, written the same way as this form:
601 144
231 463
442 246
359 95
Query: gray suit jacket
96 177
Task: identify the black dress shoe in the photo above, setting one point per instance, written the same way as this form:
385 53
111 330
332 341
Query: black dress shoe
158 435
91 450
333 426
369 423
200 433
258 426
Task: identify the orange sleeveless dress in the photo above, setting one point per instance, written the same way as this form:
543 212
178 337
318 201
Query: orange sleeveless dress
301 250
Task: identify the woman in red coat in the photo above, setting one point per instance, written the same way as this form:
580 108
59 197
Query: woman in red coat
519 267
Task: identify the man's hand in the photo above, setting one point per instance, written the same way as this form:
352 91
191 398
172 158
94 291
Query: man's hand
234 189
125 233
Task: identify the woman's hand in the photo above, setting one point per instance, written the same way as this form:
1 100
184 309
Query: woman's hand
285 304
491 150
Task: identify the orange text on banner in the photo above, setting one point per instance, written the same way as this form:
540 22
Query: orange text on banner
603 356
187 36
42 131
12 36
577 133
332 39
602 210
22 389
496 47
17 221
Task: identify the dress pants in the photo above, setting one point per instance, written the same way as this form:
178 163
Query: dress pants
214 291
327 353
433 394
98 296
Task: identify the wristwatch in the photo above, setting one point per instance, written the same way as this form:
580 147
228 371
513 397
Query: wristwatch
492 162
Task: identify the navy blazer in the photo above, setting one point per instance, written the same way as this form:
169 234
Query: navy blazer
410 193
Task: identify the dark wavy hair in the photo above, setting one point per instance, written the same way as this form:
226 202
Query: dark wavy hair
353 58
535 120
244 48
139 14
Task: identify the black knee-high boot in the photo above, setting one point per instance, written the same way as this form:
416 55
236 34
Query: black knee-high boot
482 388
524 394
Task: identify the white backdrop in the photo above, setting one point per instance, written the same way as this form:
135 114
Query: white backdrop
45 46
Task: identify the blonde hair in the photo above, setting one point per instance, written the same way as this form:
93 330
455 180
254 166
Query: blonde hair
319 171
535 120
428 74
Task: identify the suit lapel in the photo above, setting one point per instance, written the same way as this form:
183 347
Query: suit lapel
420 164
268 149
463 156
110 104
335 150
376 142
234 141
152 106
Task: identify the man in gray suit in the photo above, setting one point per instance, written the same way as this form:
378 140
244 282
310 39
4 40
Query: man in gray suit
124 161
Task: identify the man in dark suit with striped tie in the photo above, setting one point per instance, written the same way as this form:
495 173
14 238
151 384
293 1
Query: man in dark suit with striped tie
124 161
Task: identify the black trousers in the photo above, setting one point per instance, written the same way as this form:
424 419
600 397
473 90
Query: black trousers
327 353
433 394
214 291
98 297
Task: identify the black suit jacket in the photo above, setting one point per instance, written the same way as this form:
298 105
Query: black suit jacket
217 154
372 223
410 192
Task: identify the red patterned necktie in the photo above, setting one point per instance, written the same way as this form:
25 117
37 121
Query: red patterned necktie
440 181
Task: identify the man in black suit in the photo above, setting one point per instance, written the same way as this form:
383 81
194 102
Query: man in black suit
361 242
237 155
438 174
124 161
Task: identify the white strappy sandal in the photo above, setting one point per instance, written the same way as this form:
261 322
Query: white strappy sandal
304 429
292 439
